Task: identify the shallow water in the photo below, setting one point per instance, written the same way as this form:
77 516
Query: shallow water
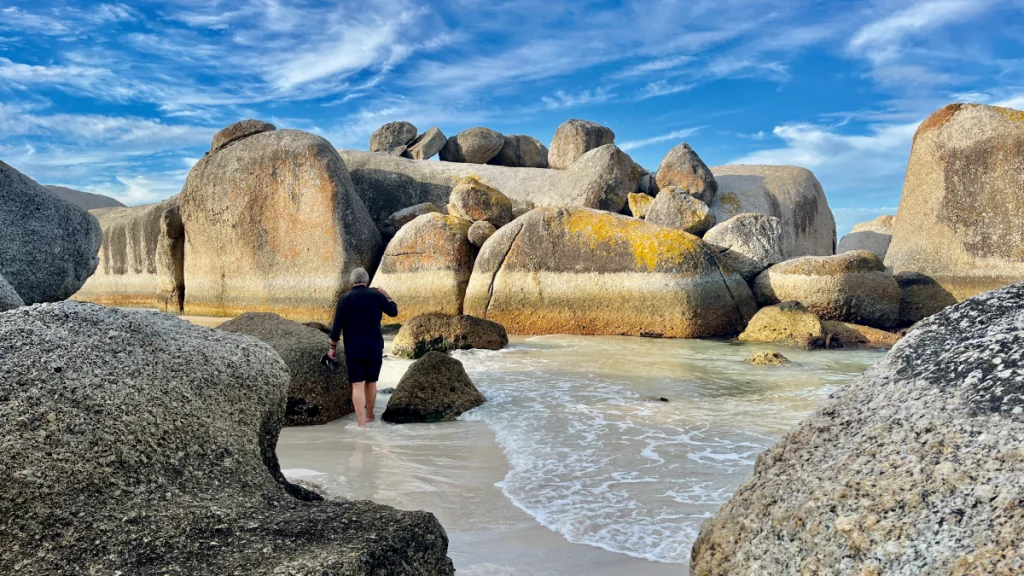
576 438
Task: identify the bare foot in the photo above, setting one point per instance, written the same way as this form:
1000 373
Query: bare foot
370 417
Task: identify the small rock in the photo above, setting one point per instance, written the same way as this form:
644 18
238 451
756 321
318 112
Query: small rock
434 332
436 388
426 145
392 138
385 391
786 323
574 138
684 169
473 200
873 236
847 335
480 231
639 204
9 299
770 358
675 208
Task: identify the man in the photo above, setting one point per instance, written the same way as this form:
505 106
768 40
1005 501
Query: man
358 317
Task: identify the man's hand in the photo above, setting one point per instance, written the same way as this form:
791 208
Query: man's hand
384 292
333 352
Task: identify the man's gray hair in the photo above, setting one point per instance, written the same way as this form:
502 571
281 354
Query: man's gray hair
359 276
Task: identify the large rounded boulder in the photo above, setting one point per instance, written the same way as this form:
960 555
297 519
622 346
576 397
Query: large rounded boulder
434 332
239 130
574 138
582 271
675 208
436 388
393 138
961 215
315 394
791 194
273 225
48 247
473 200
873 236
473 146
426 267
851 287
682 168
131 437
9 298
914 468
747 243
521 151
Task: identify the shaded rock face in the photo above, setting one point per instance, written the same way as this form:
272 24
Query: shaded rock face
273 225
426 267
914 468
521 151
395 222
48 246
392 138
770 358
480 231
574 138
582 271
920 297
961 215
315 395
747 243
786 323
473 200
426 145
438 333
9 299
140 435
473 146
683 169
436 388
873 236
239 130
639 204
846 335
791 194
851 287
83 200
675 208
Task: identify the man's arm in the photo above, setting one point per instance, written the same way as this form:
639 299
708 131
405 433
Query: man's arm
336 328
388 307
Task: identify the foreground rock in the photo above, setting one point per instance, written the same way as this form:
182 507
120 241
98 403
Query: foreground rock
140 456
914 468
84 200
436 333
9 299
47 246
683 169
791 194
473 146
395 222
747 243
873 236
639 204
961 216
786 323
675 208
393 138
273 225
426 145
920 297
436 388
770 358
239 130
480 232
846 335
574 138
521 151
581 271
851 287
426 267
315 395
473 200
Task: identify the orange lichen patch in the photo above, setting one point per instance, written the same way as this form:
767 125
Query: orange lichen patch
649 244
938 119
1010 114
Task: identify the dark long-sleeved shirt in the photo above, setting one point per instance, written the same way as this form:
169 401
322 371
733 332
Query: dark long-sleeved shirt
358 317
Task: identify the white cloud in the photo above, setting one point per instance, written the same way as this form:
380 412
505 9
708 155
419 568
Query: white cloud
662 88
675 135
882 39
13 18
561 99
1016 102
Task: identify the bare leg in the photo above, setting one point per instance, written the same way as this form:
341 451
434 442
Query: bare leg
359 402
371 399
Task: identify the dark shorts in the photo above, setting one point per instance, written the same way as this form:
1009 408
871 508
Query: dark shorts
363 369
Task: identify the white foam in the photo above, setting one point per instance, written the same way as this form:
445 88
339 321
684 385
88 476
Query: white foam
301 473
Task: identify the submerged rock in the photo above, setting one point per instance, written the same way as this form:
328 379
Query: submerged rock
392 138
438 333
137 443
914 468
473 146
436 388
682 168
873 236
574 138
239 130
315 394
769 358
747 243
473 200
480 232
786 323
9 299
675 208
847 335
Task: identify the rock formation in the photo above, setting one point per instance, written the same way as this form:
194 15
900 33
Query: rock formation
47 246
436 388
851 287
479 232
438 333
9 299
873 236
770 358
273 225
683 169
395 222
84 200
747 243
573 139
393 138
914 468
239 130
473 146
920 297
137 443
473 200
786 323
675 208
521 152
315 395
791 194
426 145
639 204
961 216
583 271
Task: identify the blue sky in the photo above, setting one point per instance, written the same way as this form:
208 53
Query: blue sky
122 99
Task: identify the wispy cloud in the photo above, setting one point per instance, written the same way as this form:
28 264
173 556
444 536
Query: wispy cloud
562 99
882 39
674 135
662 88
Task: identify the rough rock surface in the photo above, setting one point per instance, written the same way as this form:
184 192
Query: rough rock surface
315 395
392 138
395 222
770 358
426 267
873 236
583 271
850 287
961 215
273 224
438 333
473 146
846 335
747 243
920 297
601 179
9 299
639 204
480 231
574 138
914 468
436 388
791 194
521 151
648 185
239 130
426 145
137 443
47 246
84 200
684 169
786 323
473 200
675 208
